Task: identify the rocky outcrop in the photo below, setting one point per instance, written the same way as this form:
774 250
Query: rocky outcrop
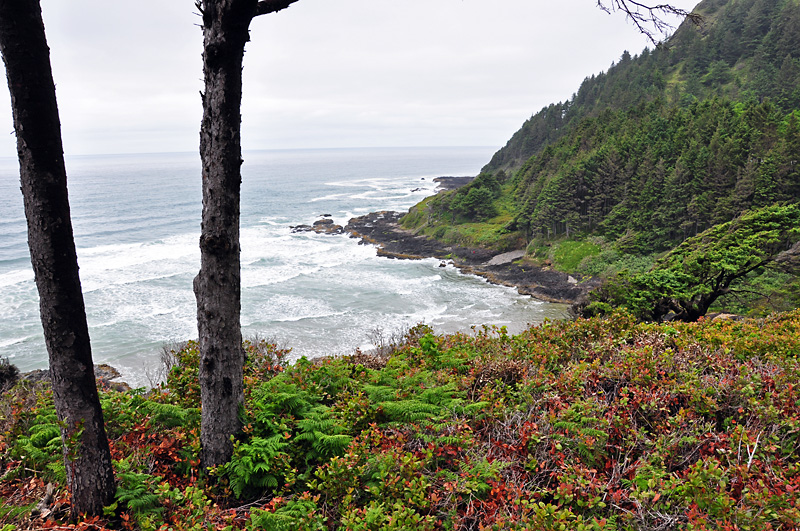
321 226
510 269
104 374
451 183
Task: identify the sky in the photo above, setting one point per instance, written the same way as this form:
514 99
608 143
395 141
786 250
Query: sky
324 73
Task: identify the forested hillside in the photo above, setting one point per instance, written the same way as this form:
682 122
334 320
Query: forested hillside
662 147
744 50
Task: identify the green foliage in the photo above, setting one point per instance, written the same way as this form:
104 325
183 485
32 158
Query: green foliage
378 517
136 494
580 428
134 408
476 200
295 515
690 278
564 426
257 465
568 255
8 374
183 378
40 449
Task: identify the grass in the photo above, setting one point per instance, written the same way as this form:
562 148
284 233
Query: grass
568 255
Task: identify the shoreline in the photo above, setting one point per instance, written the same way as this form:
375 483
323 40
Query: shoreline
383 230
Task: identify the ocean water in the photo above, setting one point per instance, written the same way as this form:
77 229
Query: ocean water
136 221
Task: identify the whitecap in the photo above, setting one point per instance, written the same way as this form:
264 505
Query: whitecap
19 276
13 341
331 197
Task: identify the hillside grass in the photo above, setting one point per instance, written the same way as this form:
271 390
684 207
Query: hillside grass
588 424
452 229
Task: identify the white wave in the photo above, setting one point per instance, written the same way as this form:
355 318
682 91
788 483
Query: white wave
276 221
13 341
135 263
19 276
254 278
289 308
296 318
358 183
330 197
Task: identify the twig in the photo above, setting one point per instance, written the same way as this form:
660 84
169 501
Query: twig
753 453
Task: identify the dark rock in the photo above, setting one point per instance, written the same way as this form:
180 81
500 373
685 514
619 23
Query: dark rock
332 229
383 229
452 183
321 226
103 373
37 376
301 228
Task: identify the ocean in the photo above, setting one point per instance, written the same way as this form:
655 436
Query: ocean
136 220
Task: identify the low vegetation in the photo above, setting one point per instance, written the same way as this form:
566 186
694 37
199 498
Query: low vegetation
590 424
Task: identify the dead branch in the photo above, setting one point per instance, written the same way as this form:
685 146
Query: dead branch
271 6
651 20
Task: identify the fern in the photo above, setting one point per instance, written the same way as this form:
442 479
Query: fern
135 492
296 515
583 431
257 465
170 415
410 411
324 436
380 393
42 450
471 409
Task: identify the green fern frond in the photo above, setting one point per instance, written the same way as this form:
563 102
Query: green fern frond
380 393
410 411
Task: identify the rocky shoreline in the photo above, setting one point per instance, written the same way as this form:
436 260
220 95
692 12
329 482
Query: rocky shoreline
103 373
509 269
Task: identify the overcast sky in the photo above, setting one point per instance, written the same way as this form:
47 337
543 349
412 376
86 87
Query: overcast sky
325 73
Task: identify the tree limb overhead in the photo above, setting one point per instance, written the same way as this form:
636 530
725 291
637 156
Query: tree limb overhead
648 19
271 6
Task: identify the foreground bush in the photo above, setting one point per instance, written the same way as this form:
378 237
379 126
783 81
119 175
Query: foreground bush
591 424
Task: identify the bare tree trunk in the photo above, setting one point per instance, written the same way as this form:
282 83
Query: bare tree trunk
217 286
43 176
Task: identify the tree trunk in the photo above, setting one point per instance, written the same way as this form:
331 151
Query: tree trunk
90 476
217 286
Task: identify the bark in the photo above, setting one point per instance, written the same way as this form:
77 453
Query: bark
217 286
43 176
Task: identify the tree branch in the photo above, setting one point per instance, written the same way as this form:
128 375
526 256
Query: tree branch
272 6
648 19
